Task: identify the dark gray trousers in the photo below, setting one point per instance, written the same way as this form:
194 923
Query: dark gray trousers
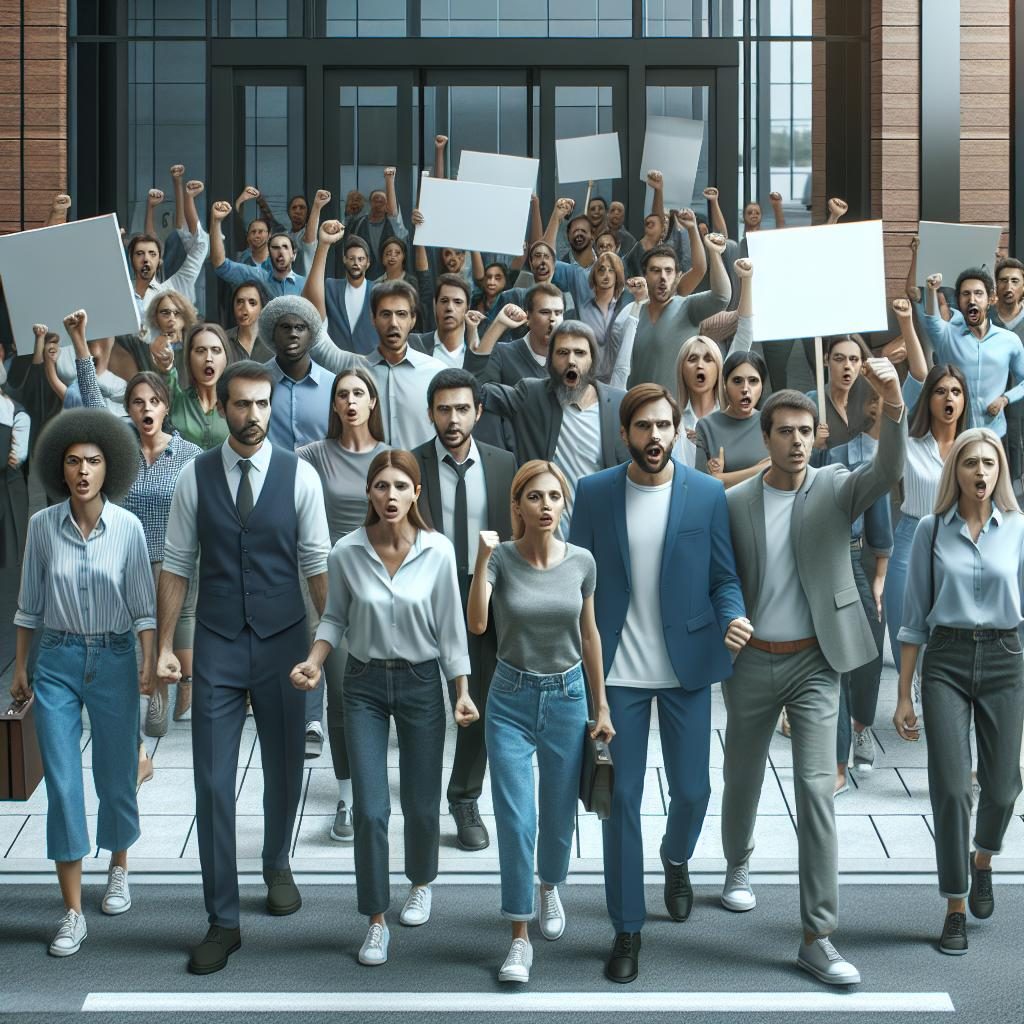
960 676
225 670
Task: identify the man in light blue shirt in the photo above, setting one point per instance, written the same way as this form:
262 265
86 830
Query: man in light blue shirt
987 354
279 280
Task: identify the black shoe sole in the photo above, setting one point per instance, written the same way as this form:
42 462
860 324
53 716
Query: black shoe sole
623 981
284 911
471 849
951 952
214 968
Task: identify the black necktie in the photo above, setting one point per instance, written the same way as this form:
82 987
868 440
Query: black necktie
243 500
460 537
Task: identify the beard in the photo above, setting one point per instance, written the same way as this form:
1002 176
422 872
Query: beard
567 395
639 456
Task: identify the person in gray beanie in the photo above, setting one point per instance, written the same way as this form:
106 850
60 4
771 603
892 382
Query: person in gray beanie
300 408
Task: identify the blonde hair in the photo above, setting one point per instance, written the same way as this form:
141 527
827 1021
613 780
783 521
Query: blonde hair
949 487
527 472
689 345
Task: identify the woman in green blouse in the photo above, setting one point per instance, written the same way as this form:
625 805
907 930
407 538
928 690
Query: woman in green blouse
194 407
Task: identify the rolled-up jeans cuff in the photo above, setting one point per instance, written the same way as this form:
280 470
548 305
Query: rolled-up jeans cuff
518 917
982 849
953 895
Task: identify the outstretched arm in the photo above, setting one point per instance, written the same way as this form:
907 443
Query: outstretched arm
778 213
154 198
688 281
715 215
178 181
314 290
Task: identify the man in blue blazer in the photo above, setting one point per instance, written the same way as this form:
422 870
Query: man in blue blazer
669 609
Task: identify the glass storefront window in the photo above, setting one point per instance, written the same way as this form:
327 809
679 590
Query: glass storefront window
583 19
259 17
366 18
274 143
167 17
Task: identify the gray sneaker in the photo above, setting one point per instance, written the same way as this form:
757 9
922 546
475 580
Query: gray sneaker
863 751
342 831
156 713
826 963
737 894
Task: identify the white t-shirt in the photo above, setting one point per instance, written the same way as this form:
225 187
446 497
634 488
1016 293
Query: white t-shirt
578 451
641 659
782 609
354 301
450 357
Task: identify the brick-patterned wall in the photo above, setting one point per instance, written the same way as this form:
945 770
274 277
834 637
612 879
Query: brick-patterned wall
985 88
33 133
895 129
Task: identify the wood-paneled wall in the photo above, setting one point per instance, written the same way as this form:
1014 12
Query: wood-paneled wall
33 124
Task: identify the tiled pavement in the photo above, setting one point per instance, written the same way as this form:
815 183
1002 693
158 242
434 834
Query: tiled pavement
884 821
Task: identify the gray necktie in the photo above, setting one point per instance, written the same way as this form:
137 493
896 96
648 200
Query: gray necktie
460 537
243 500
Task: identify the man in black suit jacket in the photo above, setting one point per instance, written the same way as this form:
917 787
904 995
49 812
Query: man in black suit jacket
465 489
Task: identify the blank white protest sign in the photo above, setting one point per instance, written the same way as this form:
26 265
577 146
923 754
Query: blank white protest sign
672 145
50 272
947 249
497 169
818 281
589 158
473 216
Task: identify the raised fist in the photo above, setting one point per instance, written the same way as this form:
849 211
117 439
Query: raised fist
474 318
638 288
934 281
915 243
715 242
155 197
75 322
711 194
838 208
564 207
686 219
901 307
511 315
744 268
440 141
194 187
322 197
61 201
39 330
655 179
775 197
220 209
250 192
389 172
331 231
177 170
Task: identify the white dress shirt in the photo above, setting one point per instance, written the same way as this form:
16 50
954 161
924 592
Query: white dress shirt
476 497
450 357
415 615
921 471
181 549
21 426
403 396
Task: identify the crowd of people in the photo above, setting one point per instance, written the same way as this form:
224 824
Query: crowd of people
407 485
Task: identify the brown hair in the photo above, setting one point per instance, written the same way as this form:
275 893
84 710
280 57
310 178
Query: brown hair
155 381
452 281
376 422
199 328
552 291
615 263
405 462
184 307
527 472
389 289
639 395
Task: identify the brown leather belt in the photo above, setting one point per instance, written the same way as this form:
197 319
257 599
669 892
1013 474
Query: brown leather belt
783 646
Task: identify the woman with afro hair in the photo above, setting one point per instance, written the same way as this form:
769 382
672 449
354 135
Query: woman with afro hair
86 583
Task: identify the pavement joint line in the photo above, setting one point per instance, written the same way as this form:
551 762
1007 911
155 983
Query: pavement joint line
519 1002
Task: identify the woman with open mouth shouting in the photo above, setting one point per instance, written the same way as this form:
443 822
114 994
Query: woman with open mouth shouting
162 456
170 316
194 407
393 600
964 598
729 442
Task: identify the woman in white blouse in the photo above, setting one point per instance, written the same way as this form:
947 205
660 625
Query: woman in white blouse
393 599
940 416
14 433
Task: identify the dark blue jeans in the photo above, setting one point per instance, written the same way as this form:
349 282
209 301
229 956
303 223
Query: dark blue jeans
375 692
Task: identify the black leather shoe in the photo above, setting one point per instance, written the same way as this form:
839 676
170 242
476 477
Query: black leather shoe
981 900
678 891
212 953
622 966
472 832
282 894
954 935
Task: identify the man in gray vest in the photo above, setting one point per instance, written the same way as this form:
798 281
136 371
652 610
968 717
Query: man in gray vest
256 515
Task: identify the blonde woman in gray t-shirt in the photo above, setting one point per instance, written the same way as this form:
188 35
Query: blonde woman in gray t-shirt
542 591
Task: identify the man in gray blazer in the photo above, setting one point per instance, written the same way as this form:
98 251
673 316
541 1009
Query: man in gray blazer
465 489
569 418
809 627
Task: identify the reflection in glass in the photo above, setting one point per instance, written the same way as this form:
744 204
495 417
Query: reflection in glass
690 102
366 18
274 143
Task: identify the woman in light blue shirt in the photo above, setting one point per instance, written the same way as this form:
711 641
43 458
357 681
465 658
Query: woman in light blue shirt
393 599
965 592
86 582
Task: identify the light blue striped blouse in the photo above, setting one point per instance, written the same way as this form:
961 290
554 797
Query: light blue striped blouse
100 585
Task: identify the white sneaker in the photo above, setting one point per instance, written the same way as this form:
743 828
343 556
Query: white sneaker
552 916
374 950
71 933
518 962
117 899
826 963
737 894
417 906
863 751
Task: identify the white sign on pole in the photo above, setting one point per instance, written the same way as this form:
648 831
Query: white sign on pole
50 272
588 158
672 145
495 169
947 249
818 281
473 216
